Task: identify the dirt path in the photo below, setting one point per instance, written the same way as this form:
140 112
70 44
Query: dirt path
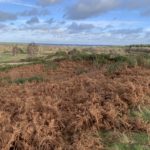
15 63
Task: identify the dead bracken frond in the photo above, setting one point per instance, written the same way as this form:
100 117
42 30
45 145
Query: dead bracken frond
65 111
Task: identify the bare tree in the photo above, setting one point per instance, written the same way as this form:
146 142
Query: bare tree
32 49
14 50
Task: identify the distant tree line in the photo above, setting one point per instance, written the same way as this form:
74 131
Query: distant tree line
142 48
139 45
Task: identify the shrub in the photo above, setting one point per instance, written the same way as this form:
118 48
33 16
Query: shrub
131 61
60 53
101 59
115 67
120 58
73 52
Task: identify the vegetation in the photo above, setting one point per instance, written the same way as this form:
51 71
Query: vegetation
31 79
75 99
125 141
8 80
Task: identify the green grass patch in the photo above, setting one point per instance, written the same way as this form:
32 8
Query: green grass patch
6 68
121 146
34 60
7 80
125 141
31 79
115 67
60 55
8 57
143 113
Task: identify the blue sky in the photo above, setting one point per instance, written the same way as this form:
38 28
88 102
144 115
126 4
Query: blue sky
103 22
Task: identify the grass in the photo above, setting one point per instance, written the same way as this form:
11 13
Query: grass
6 68
115 67
114 140
57 56
31 79
21 80
143 113
125 141
121 146
7 57
114 61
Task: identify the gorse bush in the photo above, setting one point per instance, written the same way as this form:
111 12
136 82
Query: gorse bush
120 59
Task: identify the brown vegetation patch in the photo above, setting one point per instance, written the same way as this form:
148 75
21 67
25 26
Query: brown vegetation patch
67 110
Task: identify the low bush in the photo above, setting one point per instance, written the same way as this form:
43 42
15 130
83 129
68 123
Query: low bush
115 67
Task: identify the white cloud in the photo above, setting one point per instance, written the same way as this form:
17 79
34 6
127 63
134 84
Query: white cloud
18 3
6 16
88 8
83 9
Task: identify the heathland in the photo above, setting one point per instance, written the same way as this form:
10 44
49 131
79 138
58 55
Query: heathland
74 98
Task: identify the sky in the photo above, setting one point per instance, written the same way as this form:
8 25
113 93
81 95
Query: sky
92 22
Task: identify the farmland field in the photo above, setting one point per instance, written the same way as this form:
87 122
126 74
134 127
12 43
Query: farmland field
75 98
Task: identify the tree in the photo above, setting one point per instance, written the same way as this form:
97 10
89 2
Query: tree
14 50
32 49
